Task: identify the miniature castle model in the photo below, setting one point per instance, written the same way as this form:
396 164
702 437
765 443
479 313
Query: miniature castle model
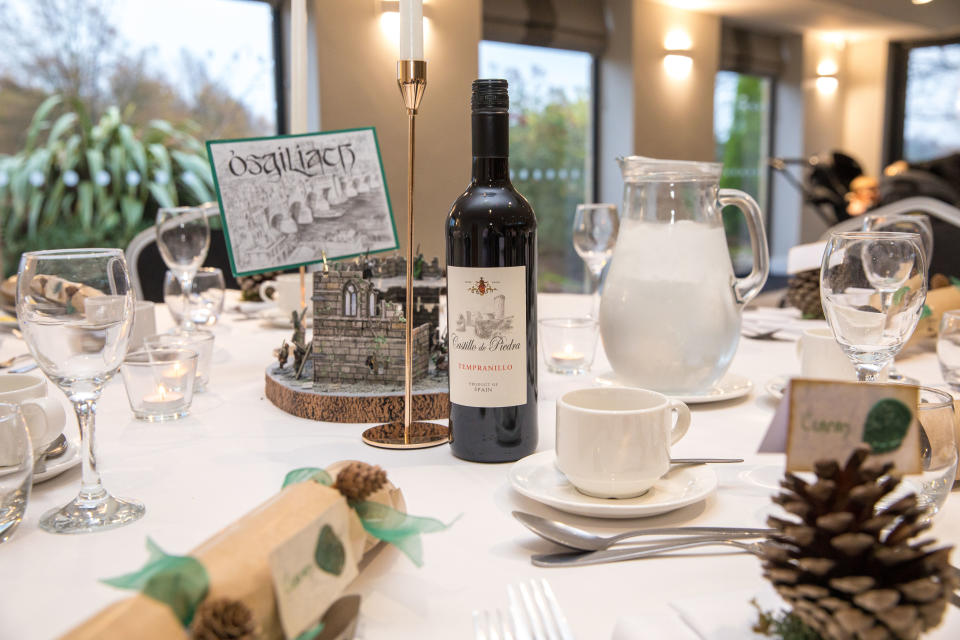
357 335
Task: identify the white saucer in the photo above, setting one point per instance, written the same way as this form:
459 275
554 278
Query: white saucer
69 459
277 320
538 478
732 385
776 386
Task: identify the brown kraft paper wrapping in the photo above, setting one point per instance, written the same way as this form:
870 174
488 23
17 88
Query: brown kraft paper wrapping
236 559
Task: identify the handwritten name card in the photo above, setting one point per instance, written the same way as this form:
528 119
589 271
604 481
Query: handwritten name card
827 420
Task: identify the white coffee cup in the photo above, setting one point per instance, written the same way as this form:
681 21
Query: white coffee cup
44 415
821 357
144 324
286 292
614 442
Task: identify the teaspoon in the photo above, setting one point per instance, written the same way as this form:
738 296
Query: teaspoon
574 538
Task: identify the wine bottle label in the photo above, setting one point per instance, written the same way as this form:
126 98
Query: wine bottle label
487 318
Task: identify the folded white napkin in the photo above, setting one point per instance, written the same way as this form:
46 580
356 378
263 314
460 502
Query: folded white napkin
716 616
789 323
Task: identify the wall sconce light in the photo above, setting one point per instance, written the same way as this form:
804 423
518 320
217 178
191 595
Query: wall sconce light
677 62
827 76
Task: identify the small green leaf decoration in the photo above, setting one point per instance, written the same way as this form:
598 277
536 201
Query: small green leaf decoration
955 281
307 473
925 312
886 425
180 582
399 529
311 633
329 553
899 293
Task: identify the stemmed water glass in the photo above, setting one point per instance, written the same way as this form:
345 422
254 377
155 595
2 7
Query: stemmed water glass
872 286
75 308
595 228
183 237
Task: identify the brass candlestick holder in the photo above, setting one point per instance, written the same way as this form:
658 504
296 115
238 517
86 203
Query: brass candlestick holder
412 80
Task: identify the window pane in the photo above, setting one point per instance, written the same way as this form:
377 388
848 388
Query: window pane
550 95
741 125
931 126
209 62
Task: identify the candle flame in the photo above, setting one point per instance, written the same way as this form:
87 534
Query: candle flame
162 392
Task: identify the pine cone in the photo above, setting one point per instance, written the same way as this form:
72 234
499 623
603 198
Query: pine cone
803 292
223 619
358 480
847 568
938 281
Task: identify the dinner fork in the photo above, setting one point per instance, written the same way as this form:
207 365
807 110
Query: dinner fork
492 626
535 612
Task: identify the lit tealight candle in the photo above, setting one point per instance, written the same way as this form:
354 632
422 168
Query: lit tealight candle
568 357
175 376
163 400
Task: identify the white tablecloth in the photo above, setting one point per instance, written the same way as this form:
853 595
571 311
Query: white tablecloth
199 474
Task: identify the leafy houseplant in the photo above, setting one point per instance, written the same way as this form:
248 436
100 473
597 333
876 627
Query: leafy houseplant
80 184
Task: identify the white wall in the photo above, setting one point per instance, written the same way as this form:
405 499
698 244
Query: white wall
358 88
865 74
673 117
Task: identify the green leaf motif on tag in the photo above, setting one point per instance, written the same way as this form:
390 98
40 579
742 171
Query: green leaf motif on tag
307 473
886 425
329 553
925 312
311 633
180 582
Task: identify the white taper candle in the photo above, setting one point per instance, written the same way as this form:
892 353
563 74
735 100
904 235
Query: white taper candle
298 66
411 29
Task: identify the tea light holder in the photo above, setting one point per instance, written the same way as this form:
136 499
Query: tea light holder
155 393
568 344
199 341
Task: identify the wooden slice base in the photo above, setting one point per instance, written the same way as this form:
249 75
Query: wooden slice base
431 400
419 435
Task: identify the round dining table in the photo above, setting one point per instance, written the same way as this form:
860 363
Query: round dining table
198 474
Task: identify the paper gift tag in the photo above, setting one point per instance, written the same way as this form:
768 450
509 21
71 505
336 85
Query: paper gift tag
313 567
827 420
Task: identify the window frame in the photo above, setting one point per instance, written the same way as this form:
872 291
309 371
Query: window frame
898 58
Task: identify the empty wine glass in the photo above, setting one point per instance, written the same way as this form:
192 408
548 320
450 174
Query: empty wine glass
75 308
910 223
595 228
872 286
183 237
206 299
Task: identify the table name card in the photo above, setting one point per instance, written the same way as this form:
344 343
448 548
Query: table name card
289 201
827 420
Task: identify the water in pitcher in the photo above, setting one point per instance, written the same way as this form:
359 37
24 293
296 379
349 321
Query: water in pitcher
668 317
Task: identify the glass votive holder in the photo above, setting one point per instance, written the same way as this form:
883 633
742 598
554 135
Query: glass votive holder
160 383
568 344
199 341
948 348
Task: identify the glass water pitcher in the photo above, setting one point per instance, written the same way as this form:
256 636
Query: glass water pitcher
670 311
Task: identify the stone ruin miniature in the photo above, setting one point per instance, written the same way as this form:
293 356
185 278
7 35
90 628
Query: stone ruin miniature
357 335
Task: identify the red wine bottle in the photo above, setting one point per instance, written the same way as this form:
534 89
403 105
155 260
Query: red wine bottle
492 297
